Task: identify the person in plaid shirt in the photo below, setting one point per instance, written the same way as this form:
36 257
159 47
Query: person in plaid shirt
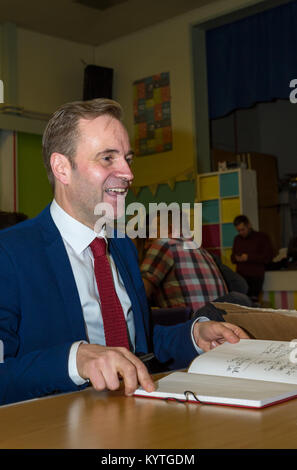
177 275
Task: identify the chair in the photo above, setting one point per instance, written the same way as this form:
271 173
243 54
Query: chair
170 316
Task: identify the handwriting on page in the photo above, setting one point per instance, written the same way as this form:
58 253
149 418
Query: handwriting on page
275 358
293 353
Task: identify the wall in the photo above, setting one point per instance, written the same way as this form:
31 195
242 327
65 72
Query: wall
161 48
8 189
49 73
34 190
268 128
278 124
50 70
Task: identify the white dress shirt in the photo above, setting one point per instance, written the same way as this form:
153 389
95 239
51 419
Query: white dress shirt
82 263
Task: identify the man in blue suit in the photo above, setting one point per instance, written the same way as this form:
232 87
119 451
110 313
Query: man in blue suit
51 316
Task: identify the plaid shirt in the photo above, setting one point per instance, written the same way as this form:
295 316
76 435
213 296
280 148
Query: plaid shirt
182 277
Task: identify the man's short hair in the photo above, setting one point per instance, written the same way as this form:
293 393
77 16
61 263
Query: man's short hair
61 133
241 219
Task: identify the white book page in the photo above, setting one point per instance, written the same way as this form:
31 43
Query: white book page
249 359
213 389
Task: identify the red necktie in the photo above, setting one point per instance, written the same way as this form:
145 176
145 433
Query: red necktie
114 322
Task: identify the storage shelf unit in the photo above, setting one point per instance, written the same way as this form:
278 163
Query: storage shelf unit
279 290
225 195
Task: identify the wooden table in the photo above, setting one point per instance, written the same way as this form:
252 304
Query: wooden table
109 420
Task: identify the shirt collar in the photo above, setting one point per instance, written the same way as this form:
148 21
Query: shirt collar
76 234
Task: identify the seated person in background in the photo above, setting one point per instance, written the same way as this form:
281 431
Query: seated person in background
251 252
235 283
176 276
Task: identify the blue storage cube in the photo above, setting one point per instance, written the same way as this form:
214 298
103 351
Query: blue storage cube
229 185
210 212
228 234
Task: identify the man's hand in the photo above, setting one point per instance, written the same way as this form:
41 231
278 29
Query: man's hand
241 258
104 366
209 334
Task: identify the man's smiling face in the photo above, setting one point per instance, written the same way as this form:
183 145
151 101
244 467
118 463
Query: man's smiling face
102 170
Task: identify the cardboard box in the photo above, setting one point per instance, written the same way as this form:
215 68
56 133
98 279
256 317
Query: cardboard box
260 323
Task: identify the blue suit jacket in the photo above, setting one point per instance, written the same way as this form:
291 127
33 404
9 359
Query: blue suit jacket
41 314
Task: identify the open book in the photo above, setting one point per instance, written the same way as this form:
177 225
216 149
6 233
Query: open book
250 373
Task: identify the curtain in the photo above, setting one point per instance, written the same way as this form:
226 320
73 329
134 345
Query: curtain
252 60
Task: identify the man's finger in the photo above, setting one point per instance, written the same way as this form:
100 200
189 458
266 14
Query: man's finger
118 362
132 371
229 336
145 379
237 330
97 380
143 375
128 372
227 333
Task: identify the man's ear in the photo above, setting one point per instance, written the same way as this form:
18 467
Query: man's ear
61 167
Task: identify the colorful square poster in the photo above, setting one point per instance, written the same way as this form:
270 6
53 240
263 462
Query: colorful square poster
152 115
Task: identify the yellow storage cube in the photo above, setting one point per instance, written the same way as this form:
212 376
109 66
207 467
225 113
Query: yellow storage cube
208 188
230 208
226 258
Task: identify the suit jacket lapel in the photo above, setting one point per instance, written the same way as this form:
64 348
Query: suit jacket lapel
61 269
141 322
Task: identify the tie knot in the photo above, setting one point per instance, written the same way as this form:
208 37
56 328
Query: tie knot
98 247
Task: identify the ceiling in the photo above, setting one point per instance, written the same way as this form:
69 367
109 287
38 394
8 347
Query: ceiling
101 22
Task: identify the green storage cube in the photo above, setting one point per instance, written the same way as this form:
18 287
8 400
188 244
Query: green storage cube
210 212
228 234
229 185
